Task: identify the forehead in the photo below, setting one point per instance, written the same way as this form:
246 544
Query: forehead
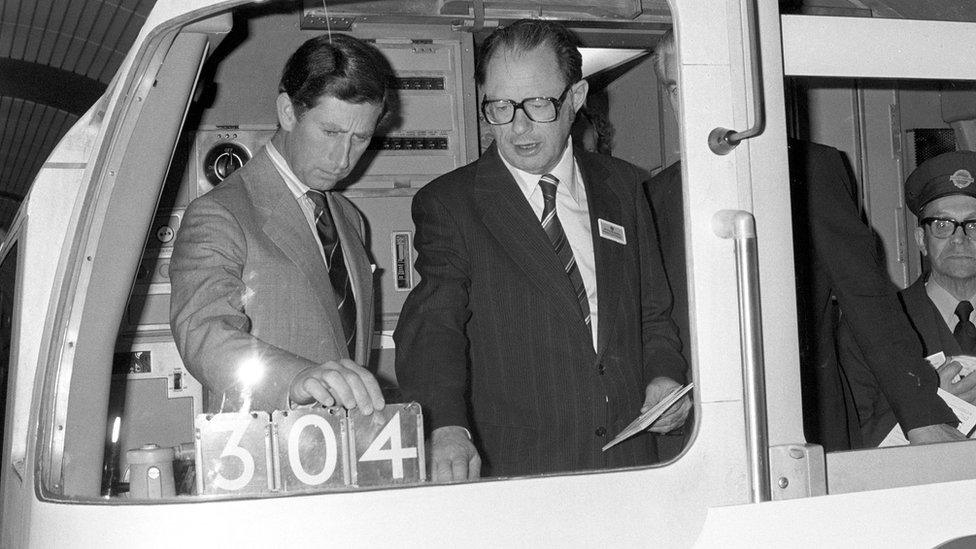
357 116
514 75
959 206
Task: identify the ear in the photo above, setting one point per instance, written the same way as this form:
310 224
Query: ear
578 93
920 240
286 112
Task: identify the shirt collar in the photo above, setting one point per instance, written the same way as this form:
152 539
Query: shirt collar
565 171
295 185
942 299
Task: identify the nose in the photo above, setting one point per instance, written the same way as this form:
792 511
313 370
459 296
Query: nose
959 235
521 123
339 154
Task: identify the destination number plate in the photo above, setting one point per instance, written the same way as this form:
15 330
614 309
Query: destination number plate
307 450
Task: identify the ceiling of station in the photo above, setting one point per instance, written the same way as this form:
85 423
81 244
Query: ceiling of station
58 56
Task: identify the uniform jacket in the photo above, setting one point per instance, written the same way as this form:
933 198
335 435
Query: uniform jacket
491 339
249 283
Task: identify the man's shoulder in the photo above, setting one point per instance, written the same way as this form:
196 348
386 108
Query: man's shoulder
455 183
232 193
612 164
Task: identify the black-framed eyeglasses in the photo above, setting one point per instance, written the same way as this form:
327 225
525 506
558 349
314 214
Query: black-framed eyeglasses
943 227
537 109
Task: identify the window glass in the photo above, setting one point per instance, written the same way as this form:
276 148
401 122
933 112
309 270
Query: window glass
879 132
187 416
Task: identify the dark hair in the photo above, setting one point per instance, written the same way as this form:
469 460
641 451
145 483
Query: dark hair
526 35
338 66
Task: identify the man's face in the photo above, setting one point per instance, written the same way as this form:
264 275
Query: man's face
535 147
955 256
323 144
670 82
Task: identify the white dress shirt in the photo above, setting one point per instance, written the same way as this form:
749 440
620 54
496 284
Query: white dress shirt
574 215
298 190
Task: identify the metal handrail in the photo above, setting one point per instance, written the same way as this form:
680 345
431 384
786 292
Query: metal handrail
740 226
723 140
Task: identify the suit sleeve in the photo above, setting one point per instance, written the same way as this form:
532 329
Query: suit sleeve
207 310
662 347
874 416
846 248
431 357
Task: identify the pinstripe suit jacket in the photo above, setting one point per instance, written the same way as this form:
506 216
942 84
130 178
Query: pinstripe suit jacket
491 338
249 282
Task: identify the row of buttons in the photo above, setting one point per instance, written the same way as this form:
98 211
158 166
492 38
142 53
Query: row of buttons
409 143
420 83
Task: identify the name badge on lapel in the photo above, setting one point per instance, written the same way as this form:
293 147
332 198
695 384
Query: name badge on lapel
612 231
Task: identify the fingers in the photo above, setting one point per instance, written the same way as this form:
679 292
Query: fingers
673 418
459 468
965 388
344 383
373 393
474 467
453 456
947 372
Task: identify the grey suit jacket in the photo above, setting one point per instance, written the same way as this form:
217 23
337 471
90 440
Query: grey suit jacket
249 283
874 413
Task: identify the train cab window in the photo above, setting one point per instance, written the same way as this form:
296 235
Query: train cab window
207 120
885 130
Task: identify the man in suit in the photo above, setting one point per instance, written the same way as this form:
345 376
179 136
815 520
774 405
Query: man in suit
540 326
942 195
837 264
272 287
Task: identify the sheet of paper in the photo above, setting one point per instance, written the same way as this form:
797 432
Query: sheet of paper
648 418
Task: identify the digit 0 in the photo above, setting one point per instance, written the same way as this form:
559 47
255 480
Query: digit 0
294 447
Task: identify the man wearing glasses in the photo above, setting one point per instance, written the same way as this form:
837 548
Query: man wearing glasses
540 327
942 194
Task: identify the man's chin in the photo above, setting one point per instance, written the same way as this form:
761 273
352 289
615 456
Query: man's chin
322 184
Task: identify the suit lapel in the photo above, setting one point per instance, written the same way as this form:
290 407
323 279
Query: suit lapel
510 219
288 229
604 204
359 268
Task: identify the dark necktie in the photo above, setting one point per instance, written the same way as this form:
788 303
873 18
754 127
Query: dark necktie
554 229
965 331
336 265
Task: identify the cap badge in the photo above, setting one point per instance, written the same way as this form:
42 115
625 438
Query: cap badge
961 179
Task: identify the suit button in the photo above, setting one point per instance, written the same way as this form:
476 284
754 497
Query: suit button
601 431
601 369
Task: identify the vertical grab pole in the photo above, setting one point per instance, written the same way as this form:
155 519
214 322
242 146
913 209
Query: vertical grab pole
740 226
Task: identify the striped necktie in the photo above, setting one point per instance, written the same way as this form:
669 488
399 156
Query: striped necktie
338 275
554 230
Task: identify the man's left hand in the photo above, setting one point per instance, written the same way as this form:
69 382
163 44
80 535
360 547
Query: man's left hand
675 416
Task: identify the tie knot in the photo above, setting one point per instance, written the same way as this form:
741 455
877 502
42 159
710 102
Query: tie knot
548 184
317 198
963 310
